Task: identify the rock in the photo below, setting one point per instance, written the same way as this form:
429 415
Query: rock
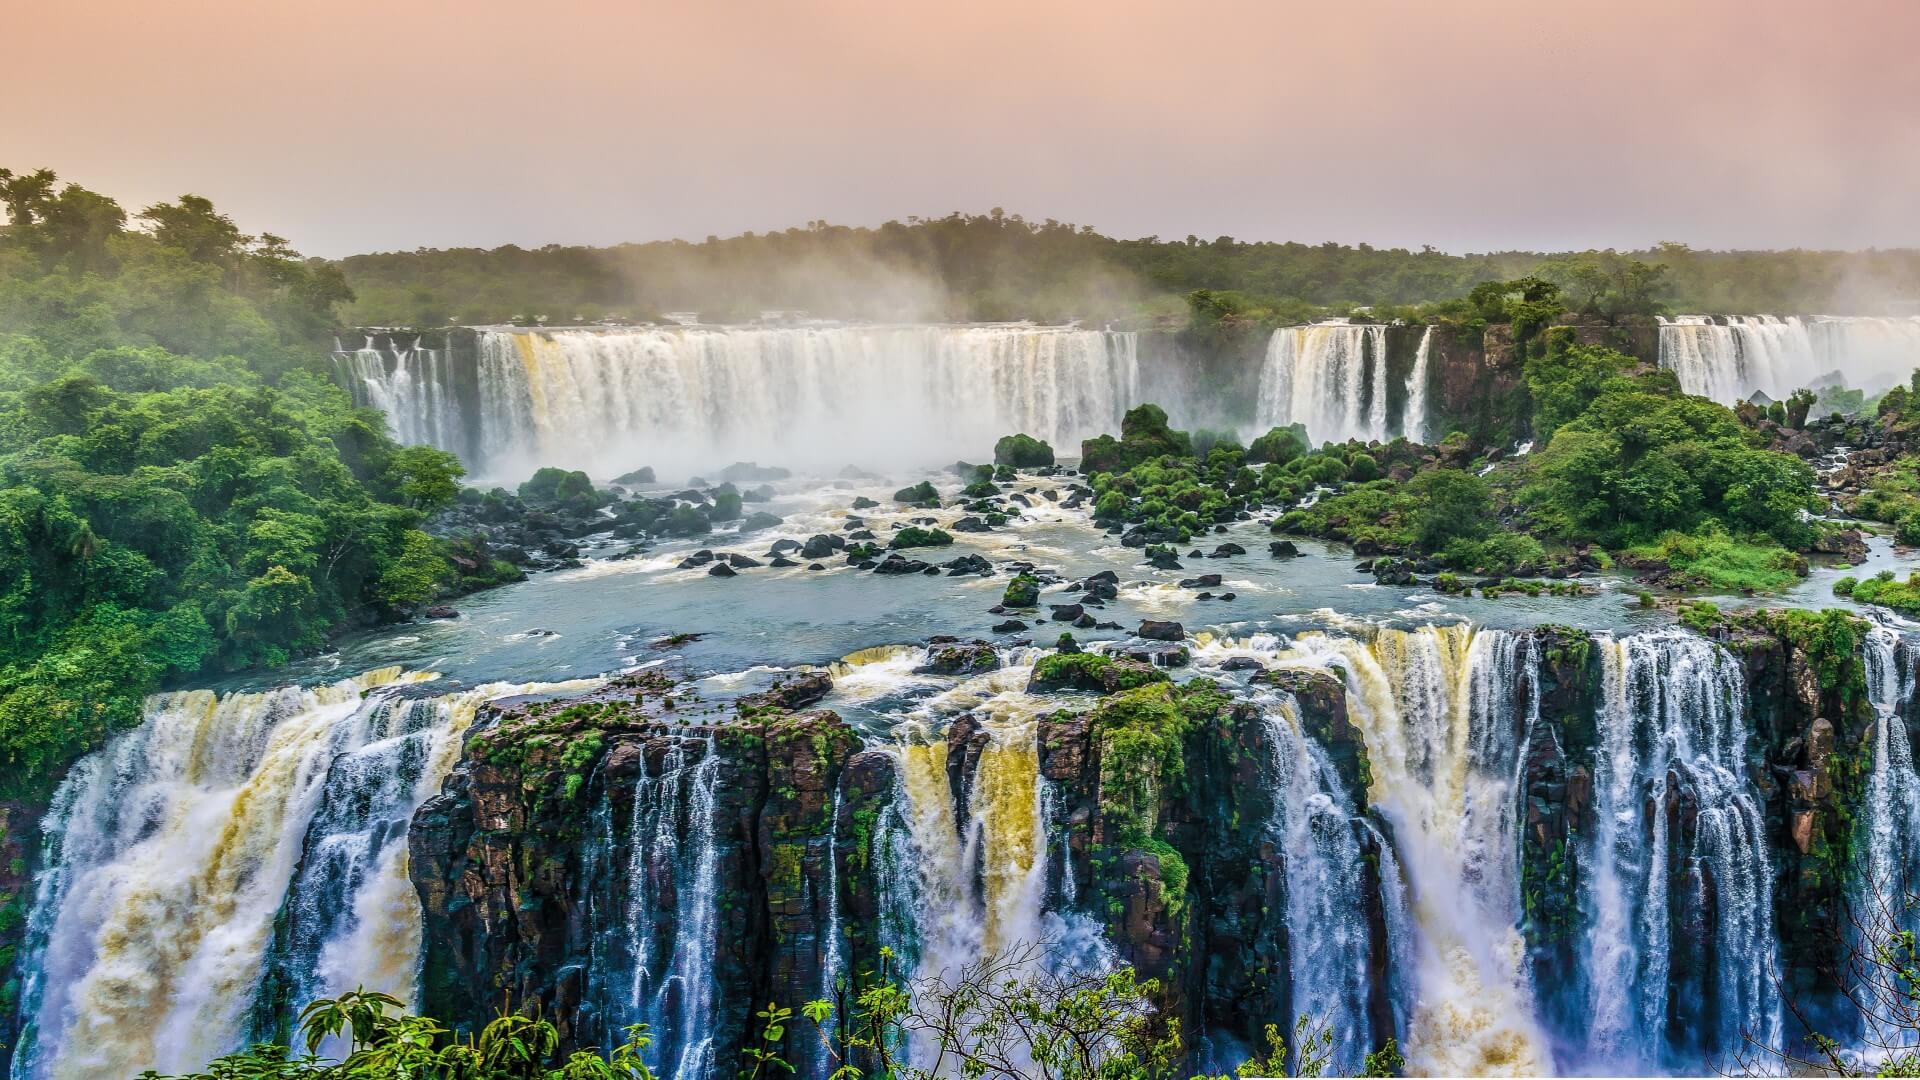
791 695
966 658
967 564
741 562
1229 596
816 566
1164 560
970 524
781 547
897 563
1154 630
1225 550
861 534
1010 626
782 562
1241 663
864 503
759 520
1164 655
721 569
441 611
698 558
1283 549
1085 622
820 545
1204 581
1067 612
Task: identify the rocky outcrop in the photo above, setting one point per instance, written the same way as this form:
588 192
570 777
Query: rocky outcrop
525 863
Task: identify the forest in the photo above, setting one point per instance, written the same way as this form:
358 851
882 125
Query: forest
183 487
999 266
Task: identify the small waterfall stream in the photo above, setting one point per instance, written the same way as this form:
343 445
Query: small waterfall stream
1728 358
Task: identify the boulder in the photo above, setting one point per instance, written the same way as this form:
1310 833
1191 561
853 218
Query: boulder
962 658
721 569
1155 630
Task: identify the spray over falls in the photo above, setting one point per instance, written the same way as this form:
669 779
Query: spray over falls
683 398
1730 358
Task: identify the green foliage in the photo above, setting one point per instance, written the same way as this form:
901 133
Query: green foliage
1023 591
1638 459
1882 589
1092 671
920 494
560 487
181 488
913 536
1709 558
1278 446
386 1043
1022 452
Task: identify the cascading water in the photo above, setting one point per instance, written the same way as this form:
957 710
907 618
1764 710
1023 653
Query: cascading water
170 853
1415 426
412 384
1332 378
1328 940
1728 358
1446 713
1673 740
1888 830
671 929
684 399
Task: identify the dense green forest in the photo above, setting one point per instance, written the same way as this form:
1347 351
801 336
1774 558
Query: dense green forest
998 266
182 486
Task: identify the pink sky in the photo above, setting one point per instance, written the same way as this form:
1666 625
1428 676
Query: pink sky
354 125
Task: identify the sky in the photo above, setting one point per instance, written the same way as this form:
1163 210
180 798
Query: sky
1470 125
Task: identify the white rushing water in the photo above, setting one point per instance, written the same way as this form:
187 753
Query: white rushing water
1443 715
1332 377
672 919
170 853
1728 358
1672 726
684 399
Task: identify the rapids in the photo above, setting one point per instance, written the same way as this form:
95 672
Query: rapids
243 851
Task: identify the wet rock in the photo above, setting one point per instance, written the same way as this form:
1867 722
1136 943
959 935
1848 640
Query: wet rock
721 569
864 503
441 611
897 563
1204 581
1157 630
792 694
781 547
820 545
1241 663
1225 550
1067 612
1164 560
967 564
861 534
816 566
964 658
698 558
741 562
970 524
1010 626
782 562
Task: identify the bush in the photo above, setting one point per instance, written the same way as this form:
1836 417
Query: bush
1279 446
913 536
920 494
1022 451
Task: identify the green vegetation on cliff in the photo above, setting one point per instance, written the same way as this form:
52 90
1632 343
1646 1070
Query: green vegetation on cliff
182 488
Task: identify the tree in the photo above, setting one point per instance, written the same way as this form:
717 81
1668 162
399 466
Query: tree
1454 504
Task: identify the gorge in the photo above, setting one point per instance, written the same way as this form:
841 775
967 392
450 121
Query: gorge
1515 836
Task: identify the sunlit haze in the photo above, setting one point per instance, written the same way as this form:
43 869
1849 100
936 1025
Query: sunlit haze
360 125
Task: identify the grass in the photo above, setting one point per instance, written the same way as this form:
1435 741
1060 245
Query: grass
1714 560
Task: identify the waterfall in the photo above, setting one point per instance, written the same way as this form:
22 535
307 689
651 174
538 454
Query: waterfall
1328 939
1414 426
1728 358
171 853
671 928
1888 836
1446 713
412 384
1673 739
684 399
1331 377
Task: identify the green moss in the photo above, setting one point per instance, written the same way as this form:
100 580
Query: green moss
1173 876
915 537
1091 671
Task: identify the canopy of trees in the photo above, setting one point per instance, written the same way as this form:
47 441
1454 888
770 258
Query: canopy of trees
181 487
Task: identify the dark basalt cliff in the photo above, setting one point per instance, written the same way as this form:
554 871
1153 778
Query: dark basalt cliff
1163 797
525 863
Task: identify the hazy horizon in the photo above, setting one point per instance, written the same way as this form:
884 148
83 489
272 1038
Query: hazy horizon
1471 127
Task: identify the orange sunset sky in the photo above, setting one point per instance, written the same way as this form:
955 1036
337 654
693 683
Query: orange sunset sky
355 125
